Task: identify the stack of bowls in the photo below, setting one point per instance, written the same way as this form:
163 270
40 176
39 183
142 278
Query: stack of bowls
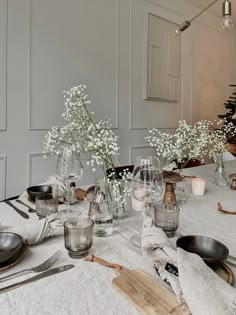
10 246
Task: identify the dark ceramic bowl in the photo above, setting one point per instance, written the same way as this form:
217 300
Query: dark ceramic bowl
10 245
35 191
210 250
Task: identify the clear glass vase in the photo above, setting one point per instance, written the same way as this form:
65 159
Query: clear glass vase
100 210
121 199
220 178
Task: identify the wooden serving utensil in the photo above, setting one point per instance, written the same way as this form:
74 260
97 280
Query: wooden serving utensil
220 208
143 292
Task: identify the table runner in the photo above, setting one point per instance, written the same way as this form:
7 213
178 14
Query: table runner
87 289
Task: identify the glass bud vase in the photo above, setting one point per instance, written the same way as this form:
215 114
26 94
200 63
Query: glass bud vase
100 210
121 200
220 178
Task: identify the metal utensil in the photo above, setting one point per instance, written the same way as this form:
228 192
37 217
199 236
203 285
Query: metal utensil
35 278
24 204
42 267
20 212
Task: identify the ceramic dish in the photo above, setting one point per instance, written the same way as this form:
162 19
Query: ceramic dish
10 244
212 251
35 191
14 260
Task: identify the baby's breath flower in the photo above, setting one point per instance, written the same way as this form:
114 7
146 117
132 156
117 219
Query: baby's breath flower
190 141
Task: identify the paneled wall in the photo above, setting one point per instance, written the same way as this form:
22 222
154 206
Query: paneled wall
46 46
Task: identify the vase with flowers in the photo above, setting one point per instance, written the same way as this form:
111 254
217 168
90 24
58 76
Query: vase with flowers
83 134
205 138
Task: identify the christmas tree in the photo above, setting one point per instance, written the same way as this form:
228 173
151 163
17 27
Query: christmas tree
230 104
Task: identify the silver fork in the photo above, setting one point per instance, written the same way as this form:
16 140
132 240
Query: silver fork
42 267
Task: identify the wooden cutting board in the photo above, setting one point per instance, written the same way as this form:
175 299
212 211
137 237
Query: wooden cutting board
143 292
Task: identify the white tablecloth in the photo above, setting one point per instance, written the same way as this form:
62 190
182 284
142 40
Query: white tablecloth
86 289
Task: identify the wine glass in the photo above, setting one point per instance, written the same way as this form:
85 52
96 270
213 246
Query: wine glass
70 169
147 187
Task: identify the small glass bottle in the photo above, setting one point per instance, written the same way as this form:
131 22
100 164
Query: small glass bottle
220 178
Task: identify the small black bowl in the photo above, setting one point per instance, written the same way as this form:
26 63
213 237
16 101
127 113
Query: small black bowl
35 191
210 250
10 245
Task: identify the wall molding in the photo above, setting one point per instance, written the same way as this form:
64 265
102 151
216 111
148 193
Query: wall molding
164 13
3 66
31 156
3 171
136 147
31 125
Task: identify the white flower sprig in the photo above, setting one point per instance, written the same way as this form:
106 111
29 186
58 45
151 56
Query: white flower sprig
190 141
82 134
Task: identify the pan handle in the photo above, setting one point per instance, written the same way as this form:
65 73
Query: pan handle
103 262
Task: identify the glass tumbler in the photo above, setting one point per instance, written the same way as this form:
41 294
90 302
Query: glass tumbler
78 236
46 205
167 218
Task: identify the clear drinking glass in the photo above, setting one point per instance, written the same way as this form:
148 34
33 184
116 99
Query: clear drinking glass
78 236
180 191
167 218
147 187
46 205
101 209
69 167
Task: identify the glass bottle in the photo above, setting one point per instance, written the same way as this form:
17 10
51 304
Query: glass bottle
220 178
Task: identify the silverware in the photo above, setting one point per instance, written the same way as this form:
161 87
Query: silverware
20 212
42 267
233 262
47 273
24 204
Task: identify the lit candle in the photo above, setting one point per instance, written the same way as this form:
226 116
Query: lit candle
137 203
198 186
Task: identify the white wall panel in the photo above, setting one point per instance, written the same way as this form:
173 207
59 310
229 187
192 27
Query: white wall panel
147 113
39 168
3 51
139 150
3 164
210 72
73 42
76 43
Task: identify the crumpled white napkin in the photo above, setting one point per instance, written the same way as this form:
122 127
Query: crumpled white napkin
197 285
59 189
203 290
35 232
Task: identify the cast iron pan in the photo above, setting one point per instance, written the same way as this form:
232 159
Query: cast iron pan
210 250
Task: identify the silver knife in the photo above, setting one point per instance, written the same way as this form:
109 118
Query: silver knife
22 213
24 204
47 273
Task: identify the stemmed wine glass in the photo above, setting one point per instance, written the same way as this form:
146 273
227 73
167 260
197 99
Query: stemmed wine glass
147 187
70 169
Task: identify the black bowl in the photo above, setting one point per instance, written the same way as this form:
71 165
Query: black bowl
210 250
10 245
35 191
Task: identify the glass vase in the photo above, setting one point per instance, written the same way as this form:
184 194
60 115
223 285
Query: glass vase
100 210
220 178
121 199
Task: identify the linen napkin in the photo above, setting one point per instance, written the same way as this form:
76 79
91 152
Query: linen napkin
197 285
35 232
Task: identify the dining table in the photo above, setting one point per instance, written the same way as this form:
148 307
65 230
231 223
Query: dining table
87 288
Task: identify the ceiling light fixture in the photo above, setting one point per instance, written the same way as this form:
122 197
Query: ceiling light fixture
227 22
